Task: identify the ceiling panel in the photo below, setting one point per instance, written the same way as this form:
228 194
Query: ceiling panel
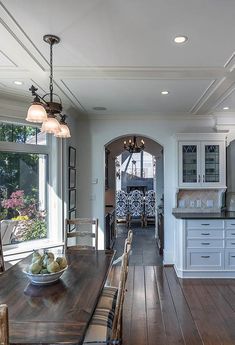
130 33
138 96
228 102
5 61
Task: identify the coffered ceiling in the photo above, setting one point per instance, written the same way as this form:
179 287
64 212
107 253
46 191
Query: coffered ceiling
120 54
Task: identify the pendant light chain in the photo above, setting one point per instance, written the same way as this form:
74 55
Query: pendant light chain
51 71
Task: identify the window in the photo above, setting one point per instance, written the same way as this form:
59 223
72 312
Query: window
23 183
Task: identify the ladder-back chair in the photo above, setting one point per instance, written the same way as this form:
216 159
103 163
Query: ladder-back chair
78 233
106 325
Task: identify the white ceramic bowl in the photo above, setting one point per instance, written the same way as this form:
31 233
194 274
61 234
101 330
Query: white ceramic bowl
44 279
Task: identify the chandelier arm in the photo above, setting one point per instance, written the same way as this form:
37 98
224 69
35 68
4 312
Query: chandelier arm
46 94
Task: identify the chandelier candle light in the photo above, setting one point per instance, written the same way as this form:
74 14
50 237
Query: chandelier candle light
132 145
45 111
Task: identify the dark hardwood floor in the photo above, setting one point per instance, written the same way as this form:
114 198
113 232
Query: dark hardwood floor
144 247
161 309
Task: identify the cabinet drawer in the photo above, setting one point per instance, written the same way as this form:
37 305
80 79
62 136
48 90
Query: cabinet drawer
230 233
230 243
203 260
206 243
229 259
205 224
206 233
229 224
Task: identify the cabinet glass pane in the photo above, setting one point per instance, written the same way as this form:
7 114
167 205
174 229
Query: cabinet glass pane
211 163
189 163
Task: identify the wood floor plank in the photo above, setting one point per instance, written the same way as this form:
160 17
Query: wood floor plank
127 307
228 291
155 325
209 322
224 308
138 334
172 327
184 315
196 308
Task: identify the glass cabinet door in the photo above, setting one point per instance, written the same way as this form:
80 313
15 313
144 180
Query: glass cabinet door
212 163
189 163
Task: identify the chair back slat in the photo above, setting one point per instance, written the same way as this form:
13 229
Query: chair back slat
117 321
79 233
4 325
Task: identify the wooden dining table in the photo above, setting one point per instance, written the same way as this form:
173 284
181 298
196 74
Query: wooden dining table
58 313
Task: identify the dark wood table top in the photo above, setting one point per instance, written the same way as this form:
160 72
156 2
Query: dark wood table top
57 313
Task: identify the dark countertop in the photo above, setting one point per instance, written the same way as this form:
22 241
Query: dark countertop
203 215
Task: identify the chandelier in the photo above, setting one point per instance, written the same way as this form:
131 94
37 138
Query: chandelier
132 145
44 109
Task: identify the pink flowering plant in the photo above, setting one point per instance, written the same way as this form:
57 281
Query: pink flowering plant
24 209
16 201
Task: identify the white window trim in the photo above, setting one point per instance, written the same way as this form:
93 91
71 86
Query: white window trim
54 194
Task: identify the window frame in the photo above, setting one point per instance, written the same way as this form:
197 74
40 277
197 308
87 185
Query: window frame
53 194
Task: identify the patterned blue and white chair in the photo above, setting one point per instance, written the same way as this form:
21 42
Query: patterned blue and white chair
136 206
150 211
122 205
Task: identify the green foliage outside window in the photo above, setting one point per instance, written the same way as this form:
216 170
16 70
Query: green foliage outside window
19 185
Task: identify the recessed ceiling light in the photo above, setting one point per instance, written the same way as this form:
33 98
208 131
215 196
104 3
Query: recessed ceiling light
180 39
165 92
226 108
99 108
17 82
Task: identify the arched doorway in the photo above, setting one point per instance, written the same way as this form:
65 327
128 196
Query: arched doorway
128 171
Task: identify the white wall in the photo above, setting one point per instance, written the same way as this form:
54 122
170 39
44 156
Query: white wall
100 132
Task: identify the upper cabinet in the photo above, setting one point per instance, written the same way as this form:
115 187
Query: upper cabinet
201 164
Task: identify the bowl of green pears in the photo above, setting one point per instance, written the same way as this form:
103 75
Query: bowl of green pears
45 268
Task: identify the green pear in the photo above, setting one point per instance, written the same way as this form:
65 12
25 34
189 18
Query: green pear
35 268
44 271
46 261
53 267
36 256
51 255
62 262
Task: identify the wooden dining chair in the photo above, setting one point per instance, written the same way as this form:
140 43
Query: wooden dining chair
108 298
106 324
4 326
78 232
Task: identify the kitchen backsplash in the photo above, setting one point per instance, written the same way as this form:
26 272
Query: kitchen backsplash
209 200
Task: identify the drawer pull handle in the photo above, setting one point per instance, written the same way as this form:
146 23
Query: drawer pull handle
233 243
232 224
206 233
232 256
205 256
206 243
205 224
233 233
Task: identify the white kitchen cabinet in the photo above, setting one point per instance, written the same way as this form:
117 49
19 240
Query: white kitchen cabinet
205 248
201 164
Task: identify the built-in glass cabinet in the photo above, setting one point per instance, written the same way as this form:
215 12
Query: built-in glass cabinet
201 164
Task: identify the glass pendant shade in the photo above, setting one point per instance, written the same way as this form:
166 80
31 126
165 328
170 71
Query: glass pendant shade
51 126
36 113
64 132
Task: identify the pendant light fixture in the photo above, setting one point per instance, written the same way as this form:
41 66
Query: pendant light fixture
132 145
47 111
